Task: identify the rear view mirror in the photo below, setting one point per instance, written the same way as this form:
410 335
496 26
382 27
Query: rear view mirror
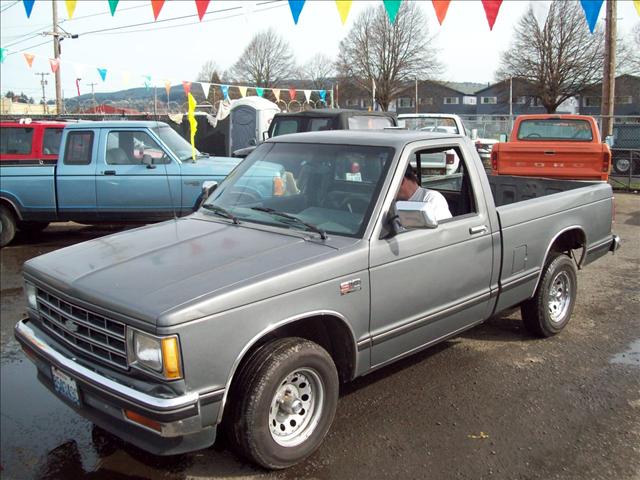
502 137
208 187
415 215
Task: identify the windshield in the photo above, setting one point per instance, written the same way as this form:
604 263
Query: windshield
555 129
172 139
328 188
430 124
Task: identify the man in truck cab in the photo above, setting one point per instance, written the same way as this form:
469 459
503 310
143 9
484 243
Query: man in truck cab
411 191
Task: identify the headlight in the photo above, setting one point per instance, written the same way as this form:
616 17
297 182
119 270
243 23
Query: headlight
30 292
159 354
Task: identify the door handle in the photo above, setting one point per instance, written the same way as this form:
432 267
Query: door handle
549 152
109 172
478 229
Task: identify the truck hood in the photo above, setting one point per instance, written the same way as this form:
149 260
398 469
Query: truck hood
184 269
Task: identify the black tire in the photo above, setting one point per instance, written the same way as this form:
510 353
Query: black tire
7 226
622 164
274 367
544 316
32 227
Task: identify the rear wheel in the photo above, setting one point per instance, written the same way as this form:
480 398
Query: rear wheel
283 403
7 226
549 311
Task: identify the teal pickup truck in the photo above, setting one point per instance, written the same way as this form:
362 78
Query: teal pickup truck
119 171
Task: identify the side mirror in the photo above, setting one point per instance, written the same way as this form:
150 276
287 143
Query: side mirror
415 215
253 142
474 134
208 187
502 137
609 140
148 161
265 135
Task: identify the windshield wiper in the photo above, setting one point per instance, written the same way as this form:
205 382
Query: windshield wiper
309 226
222 212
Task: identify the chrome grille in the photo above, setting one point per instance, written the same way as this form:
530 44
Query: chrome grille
96 335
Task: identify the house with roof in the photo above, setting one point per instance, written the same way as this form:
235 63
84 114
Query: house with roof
494 98
626 93
435 97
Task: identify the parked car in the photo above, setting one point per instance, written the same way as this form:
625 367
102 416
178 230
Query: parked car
625 149
324 119
447 123
553 146
30 142
106 172
247 314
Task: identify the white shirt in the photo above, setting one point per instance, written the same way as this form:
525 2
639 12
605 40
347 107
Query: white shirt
436 203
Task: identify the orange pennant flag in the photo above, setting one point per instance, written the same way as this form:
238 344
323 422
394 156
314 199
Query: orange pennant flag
167 86
29 58
441 7
55 63
71 7
187 87
343 8
157 6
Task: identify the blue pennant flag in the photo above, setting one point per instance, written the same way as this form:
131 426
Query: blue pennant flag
591 11
103 73
225 91
296 8
28 6
323 95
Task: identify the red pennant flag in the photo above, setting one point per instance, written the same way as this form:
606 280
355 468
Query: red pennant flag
292 93
491 8
157 6
202 5
55 63
187 87
441 7
29 58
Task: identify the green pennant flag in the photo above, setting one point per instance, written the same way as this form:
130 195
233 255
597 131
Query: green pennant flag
392 7
260 91
112 5
3 54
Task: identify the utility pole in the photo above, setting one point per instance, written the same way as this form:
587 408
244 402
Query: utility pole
93 95
43 82
56 55
609 73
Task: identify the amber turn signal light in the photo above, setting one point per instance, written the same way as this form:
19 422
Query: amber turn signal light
142 420
171 358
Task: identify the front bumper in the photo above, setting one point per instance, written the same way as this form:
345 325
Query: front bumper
185 420
615 243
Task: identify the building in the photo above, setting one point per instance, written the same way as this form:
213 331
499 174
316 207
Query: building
627 97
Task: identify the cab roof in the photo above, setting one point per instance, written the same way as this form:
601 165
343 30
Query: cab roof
384 138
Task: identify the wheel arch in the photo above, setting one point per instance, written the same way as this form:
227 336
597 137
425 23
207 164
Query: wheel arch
11 205
329 329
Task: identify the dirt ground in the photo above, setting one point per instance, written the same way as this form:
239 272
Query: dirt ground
493 403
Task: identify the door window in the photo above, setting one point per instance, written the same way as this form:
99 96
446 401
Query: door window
282 127
133 148
369 122
51 141
79 147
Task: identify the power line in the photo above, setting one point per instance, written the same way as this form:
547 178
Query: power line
9 6
20 41
48 42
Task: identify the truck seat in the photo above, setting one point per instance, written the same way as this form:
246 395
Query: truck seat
117 156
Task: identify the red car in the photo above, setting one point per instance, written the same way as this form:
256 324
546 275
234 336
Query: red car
30 142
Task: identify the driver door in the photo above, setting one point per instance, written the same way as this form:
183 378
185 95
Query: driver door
136 180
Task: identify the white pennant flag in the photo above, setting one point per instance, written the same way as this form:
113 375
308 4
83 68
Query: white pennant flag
307 94
276 92
540 10
205 88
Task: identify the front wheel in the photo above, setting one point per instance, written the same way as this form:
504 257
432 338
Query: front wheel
549 311
7 226
284 402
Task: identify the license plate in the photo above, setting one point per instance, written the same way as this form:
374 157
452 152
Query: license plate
65 386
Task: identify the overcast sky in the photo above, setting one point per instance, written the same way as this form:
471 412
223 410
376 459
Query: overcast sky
177 49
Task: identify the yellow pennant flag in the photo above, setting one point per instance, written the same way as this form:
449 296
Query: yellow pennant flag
126 78
343 8
276 93
71 7
243 91
193 125
637 4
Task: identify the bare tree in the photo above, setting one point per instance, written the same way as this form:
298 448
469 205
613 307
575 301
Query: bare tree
209 72
558 60
265 61
318 71
629 52
388 54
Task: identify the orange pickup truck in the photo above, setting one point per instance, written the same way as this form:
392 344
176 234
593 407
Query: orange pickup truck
553 146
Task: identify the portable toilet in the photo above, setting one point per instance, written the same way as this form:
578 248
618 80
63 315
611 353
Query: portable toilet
250 120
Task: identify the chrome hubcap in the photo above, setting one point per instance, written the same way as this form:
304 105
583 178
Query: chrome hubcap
559 297
296 407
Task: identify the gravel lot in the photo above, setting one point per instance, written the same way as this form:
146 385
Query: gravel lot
493 403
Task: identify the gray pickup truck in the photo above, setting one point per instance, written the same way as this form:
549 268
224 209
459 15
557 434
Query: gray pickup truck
298 272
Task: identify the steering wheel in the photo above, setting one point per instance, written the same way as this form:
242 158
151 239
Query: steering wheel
354 204
533 135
